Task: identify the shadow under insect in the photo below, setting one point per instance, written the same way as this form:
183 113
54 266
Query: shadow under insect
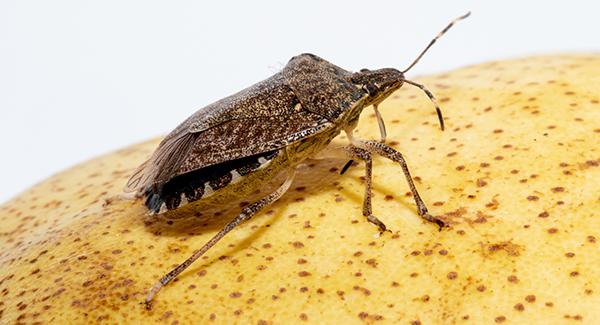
196 218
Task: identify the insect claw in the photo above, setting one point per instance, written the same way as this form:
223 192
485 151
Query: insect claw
373 219
147 304
425 215
441 224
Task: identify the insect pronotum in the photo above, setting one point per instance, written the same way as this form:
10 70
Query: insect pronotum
230 148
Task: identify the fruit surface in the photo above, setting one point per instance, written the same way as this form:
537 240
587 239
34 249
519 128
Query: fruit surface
516 173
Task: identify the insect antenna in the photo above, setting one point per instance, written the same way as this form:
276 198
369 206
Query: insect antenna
435 39
427 92
433 100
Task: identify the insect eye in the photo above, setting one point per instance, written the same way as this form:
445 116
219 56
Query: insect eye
371 89
364 70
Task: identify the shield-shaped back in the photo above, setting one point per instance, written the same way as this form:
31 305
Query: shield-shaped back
321 87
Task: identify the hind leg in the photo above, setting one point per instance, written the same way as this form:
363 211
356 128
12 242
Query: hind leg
246 214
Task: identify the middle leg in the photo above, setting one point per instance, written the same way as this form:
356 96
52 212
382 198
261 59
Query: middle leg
358 153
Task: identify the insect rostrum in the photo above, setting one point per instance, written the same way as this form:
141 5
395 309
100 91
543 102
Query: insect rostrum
230 148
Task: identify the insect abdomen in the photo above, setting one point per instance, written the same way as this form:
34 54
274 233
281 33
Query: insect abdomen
202 183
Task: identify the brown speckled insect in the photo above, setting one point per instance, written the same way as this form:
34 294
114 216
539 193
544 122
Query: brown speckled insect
234 146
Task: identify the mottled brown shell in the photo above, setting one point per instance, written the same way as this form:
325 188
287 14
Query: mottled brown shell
293 104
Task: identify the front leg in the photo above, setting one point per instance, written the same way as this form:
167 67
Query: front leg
390 153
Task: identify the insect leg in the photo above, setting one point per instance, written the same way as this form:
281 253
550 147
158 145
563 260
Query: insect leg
246 214
390 153
121 197
382 130
364 155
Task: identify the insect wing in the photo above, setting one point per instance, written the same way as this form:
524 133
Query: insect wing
245 137
261 118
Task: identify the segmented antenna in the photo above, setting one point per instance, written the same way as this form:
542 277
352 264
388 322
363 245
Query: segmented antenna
435 39
423 88
433 100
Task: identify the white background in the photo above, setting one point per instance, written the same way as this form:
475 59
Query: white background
81 78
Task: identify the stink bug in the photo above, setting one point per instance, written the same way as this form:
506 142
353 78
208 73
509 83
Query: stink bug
235 145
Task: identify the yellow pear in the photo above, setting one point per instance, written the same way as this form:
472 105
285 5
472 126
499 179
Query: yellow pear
516 174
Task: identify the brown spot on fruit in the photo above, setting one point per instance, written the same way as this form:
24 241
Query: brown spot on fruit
452 275
508 247
372 262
